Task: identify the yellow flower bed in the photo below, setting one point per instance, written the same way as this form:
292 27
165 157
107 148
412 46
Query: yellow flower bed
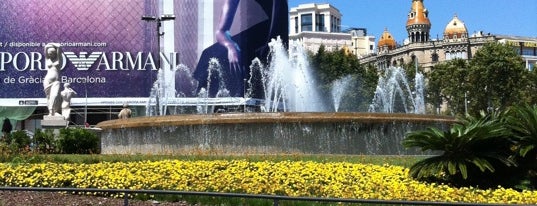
292 178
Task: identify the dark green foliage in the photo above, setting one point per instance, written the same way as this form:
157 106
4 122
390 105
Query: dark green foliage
448 83
19 141
331 66
78 141
470 151
494 79
69 141
530 89
498 148
44 141
523 124
498 76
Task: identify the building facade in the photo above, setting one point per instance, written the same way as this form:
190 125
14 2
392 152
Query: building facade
361 43
320 24
314 18
456 43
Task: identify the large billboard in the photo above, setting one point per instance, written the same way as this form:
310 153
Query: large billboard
110 53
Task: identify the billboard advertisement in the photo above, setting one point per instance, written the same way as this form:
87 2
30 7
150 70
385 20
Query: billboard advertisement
110 53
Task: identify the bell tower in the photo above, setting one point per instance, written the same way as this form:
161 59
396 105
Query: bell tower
418 24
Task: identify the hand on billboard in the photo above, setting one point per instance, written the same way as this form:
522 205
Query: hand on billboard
233 51
223 37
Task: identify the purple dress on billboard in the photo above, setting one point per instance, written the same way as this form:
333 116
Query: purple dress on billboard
235 53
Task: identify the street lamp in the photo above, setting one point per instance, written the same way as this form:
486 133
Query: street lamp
466 103
159 20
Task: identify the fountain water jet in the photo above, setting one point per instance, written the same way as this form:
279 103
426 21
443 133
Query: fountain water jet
289 81
339 87
288 86
187 85
394 94
286 83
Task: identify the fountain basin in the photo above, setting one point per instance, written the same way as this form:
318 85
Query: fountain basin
266 133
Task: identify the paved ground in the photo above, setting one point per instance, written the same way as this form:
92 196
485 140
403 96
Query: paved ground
20 198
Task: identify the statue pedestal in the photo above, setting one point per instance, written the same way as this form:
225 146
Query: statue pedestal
54 122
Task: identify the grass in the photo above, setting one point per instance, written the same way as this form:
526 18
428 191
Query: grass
405 161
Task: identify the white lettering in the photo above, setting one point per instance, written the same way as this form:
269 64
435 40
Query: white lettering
84 61
29 80
149 61
163 60
116 59
5 58
86 79
26 61
104 61
81 62
9 80
133 63
36 58
169 62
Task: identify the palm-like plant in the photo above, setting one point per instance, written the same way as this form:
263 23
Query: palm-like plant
472 145
523 123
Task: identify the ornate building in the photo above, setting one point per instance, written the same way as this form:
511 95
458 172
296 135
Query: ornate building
418 24
456 43
320 24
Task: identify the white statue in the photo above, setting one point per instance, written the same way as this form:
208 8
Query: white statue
67 94
125 113
51 83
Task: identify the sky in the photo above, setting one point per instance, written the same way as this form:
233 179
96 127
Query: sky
504 17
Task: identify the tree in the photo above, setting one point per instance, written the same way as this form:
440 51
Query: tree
531 88
334 65
498 78
494 79
331 66
448 83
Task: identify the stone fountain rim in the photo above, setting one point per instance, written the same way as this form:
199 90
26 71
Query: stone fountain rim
270 117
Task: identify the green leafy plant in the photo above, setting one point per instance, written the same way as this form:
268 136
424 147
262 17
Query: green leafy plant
78 141
20 140
469 150
523 124
44 141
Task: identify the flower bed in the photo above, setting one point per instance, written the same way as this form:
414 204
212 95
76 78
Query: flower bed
292 178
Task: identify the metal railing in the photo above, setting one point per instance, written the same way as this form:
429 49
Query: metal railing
275 198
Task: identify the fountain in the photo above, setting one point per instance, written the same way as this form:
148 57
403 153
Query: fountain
294 119
289 80
265 133
394 94
339 87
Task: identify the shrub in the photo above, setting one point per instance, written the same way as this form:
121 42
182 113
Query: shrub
471 151
44 141
522 121
20 141
78 141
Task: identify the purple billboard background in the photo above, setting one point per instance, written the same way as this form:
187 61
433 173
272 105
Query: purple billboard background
108 45
110 28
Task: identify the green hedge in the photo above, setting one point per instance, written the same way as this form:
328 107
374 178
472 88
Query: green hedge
68 141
